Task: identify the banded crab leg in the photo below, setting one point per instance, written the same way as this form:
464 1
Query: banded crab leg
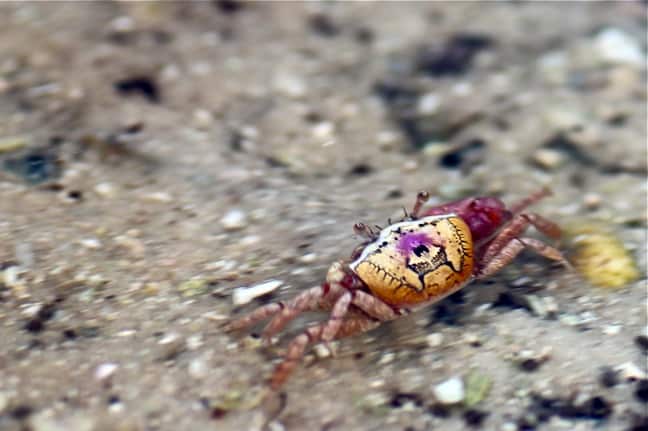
504 256
317 298
526 202
516 226
348 326
282 313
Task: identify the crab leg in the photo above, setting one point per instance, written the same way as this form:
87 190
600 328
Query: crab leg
374 306
544 225
512 249
333 325
255 316
519 223
349 326
521 205
306 301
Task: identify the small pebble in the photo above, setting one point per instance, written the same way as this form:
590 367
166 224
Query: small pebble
91 243
612 329
194 342
450 391
105 190
410 165
105 371
428 104
234 219
548 158
608 377
8 145
221 265
133 245
308 258
529 361
172 345
375 399
115 408
193 287
387 139
629 371
197 368
290 85
323 351
161 197
169 338
125 333
536 304
323 130
472 339
551 306
11 276
244 295
554 65
122 24
592 201
563 117
434 340
615 46
32 310
202 118
386 358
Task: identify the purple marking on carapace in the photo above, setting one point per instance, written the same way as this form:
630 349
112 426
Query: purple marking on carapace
410 241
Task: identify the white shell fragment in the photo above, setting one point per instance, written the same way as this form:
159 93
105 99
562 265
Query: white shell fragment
105 371
234 220
630 371
616 46
450 391
290 85
243 295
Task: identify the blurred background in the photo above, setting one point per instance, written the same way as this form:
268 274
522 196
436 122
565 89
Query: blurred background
156 157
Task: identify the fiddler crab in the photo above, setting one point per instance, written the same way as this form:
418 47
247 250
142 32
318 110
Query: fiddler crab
417 261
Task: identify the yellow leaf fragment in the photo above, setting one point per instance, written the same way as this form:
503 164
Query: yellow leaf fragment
602 258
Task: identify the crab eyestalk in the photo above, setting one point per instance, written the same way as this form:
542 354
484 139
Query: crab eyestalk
421 198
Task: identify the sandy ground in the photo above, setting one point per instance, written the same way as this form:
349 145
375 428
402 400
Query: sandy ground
157 156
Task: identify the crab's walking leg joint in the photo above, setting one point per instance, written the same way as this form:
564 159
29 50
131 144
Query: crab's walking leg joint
373 306
284 312
545 226
513 248
518 225
257 315
349 326
305 301
334 323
